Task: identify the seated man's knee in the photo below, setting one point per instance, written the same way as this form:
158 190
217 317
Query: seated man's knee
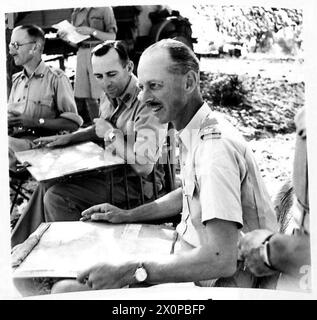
54 202
64 286
59 205
52 195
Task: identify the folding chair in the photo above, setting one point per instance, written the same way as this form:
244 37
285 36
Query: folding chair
168 162
18 179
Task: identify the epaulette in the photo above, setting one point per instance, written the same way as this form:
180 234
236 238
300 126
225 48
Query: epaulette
209 129
58 72
16 75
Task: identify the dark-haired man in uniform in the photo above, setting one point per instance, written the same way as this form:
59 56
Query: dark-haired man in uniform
125 123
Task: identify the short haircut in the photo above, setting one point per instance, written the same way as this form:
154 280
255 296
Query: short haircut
34 32
103 48
183 56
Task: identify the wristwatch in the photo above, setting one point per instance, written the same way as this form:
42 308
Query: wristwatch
41 121
110 135
266 252
140 273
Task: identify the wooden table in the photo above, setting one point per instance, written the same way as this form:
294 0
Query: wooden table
66 248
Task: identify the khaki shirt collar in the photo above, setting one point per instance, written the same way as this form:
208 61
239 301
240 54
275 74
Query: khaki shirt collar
189 136
82 9
128 96
38 72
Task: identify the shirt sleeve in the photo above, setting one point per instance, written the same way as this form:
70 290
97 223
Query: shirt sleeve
150 135
110 21
218 171
65 100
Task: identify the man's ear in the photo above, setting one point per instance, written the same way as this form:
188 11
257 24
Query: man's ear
36 47
130 66
190 81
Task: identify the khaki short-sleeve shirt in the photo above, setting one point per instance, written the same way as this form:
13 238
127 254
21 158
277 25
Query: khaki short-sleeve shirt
100 18
220 179
47 93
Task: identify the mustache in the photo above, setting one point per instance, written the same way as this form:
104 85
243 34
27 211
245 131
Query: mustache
152 103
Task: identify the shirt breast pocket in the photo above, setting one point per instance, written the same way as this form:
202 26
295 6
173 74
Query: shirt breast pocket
43 108
96 22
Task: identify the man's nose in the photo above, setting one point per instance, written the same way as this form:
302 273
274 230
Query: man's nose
104 82
144 96
11 50
108 83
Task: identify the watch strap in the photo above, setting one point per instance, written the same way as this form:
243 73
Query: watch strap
267 253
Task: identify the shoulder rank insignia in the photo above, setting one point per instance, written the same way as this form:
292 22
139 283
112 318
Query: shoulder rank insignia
209 129
58 72
17 75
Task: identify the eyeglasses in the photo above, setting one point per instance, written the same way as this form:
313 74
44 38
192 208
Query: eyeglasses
17 45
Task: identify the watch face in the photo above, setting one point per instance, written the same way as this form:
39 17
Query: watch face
111 136
140 274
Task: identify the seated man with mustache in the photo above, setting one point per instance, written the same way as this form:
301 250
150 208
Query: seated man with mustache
222 191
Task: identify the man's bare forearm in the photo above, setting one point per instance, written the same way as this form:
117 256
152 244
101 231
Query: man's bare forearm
83 135
167 206
216 257
59 124
104 35
195 265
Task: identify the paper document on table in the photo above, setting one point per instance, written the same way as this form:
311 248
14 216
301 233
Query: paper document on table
69 247
71 34
52 163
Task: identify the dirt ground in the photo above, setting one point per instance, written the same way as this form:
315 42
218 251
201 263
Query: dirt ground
279 83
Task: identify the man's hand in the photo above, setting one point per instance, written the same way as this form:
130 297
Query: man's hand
62 34
108 275
54 141
254 262
102 126
85 30
252 240
16 119
106 212
251 251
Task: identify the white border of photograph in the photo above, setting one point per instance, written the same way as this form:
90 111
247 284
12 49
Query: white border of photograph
7 290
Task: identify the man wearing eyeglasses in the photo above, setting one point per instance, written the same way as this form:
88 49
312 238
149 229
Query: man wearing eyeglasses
41 100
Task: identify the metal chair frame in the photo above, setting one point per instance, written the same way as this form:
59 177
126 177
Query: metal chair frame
168 161
17 180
